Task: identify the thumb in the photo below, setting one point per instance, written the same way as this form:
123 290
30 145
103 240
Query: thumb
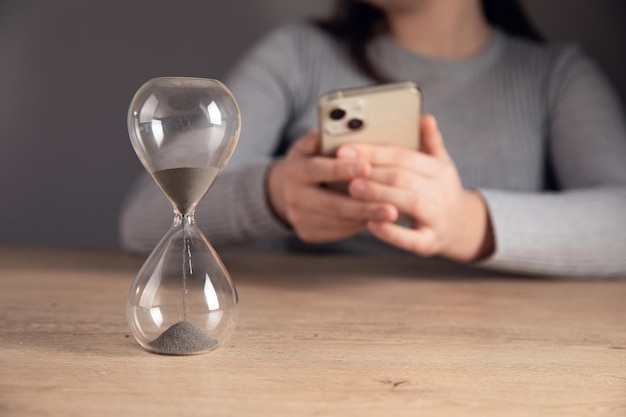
307 145
432 140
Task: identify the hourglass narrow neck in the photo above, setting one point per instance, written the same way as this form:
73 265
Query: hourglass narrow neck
184 219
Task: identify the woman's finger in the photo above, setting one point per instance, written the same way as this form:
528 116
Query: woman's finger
336 205
421 241
320 169
390 156
432 140
399 178
415 203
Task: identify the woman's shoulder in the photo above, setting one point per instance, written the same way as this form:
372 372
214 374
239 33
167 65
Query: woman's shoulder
564 70
300 48
553 57
289 48
299 34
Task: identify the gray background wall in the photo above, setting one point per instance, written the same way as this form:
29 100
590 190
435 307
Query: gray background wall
68 69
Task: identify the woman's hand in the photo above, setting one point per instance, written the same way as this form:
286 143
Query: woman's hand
448 220
317 214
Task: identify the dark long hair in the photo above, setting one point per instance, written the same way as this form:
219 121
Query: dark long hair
355 23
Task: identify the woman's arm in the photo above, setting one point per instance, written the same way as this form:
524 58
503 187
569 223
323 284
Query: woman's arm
580 229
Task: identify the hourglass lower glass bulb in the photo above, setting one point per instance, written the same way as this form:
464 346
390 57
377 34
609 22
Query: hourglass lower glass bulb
183 300
184 130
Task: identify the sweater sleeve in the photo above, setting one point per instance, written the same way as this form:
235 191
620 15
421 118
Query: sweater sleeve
235 210
579 230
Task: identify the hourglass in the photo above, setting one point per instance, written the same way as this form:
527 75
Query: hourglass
184 131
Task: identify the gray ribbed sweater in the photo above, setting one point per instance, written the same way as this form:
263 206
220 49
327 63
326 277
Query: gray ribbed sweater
509 116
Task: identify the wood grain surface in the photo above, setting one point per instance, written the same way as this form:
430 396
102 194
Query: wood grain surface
317 336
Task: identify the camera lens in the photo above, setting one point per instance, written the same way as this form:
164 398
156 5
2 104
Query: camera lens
355 124
337 114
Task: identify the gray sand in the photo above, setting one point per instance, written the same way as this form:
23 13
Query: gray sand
183 338
185 186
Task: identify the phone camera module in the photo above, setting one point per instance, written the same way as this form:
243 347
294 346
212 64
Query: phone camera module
355 124
337 114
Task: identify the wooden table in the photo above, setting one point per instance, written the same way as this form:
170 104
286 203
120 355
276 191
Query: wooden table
317 336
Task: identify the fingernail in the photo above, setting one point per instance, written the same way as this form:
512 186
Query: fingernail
346 152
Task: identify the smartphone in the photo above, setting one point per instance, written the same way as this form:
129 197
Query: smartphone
386 114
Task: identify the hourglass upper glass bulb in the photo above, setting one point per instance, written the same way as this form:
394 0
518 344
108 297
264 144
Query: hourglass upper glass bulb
184 130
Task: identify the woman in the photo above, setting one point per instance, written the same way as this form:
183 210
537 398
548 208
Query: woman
523 169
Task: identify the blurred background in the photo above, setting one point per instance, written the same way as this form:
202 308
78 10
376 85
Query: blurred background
69 68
